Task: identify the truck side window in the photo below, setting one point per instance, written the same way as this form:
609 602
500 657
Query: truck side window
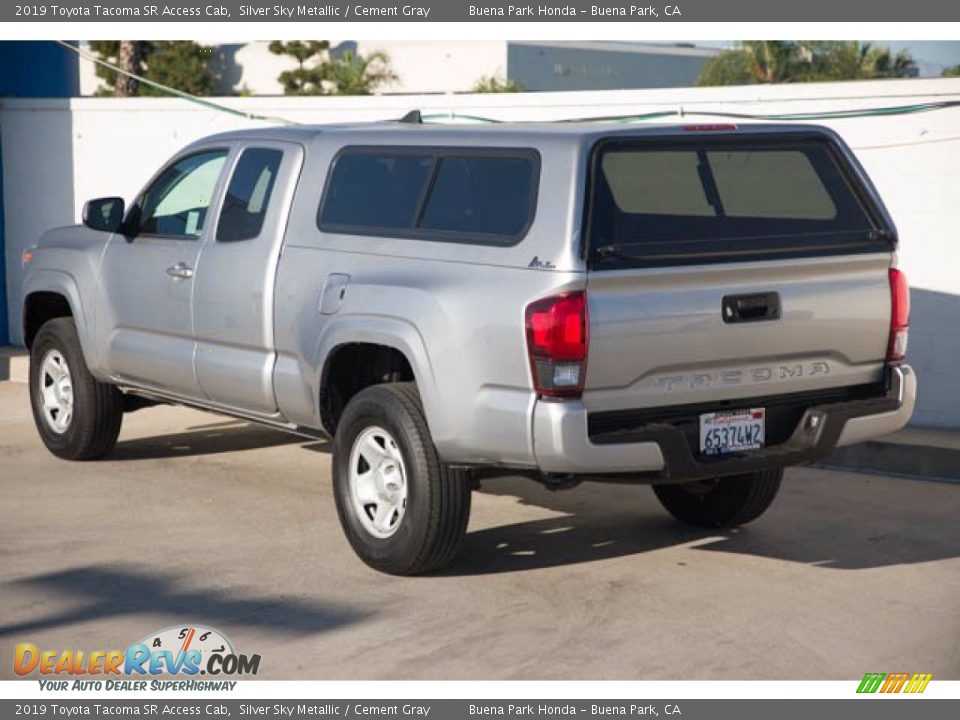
486 195
475 196
381 190
176 204
248 195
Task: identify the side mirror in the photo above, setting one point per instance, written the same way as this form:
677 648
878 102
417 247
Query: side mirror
104 214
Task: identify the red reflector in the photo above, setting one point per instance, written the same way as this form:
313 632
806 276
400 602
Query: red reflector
27 257
557 343
716 127
899 315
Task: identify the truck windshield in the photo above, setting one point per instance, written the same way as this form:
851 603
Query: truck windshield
721 198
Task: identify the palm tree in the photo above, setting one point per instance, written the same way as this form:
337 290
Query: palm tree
772 61
880 63
852 60
495 84
353 74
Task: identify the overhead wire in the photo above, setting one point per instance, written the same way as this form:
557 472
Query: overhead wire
203 102
680 112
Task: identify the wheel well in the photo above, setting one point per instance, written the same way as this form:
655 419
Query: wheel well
38 308
353 367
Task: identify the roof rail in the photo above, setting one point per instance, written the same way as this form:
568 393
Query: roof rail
413 118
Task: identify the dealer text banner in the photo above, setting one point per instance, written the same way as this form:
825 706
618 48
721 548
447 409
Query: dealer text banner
467 11
468 709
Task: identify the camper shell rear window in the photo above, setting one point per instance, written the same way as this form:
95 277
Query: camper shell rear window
669 201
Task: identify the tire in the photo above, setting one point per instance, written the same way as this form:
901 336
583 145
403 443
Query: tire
722 502
409 535
84 415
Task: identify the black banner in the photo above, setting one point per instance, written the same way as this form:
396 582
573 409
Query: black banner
480 11
874 708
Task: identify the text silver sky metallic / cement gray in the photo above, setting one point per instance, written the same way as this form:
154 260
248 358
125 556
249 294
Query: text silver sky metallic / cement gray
474 11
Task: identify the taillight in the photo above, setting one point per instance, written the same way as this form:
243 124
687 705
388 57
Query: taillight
899 315
557 343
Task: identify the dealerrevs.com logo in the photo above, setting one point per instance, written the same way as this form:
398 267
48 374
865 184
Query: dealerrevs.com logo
190 651
894 682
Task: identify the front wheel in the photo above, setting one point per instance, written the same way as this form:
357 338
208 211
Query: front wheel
77 416
403 511
721 502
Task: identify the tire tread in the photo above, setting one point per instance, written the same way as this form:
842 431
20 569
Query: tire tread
451 511
762 492
445 491
99 415
734 501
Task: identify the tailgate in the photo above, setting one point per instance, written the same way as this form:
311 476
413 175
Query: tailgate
726 267
659 336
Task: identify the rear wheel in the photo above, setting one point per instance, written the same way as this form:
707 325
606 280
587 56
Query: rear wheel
721 502
77 416
402 510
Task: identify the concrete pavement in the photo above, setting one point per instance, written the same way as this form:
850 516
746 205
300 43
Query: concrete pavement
197 518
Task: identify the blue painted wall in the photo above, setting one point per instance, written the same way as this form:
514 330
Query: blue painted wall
36 69
30 69
4 301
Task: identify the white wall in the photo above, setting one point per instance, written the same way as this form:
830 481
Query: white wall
433 67
56 154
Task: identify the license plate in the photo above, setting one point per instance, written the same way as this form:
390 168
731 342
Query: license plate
732 431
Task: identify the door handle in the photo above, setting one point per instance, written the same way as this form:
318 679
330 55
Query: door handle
751 308
181 271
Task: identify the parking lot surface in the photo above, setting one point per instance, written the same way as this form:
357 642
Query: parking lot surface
201 519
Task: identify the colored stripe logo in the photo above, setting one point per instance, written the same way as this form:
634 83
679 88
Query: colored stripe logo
895 683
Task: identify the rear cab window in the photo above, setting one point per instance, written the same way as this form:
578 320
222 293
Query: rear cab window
468 195
666 200
248 194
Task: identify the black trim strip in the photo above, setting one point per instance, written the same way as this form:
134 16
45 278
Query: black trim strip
609 422
804 444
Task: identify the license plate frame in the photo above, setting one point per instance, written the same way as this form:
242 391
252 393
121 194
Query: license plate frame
731 431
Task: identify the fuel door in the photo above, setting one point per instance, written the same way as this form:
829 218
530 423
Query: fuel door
333 292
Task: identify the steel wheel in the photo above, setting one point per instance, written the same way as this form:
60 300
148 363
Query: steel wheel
56 391
403 511
378 482
78 418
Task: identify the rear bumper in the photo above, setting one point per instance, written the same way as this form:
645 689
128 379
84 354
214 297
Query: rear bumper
664 452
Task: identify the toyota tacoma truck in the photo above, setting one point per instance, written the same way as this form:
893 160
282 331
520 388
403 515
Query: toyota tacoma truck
693 307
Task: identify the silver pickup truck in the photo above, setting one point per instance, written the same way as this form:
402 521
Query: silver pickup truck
690 307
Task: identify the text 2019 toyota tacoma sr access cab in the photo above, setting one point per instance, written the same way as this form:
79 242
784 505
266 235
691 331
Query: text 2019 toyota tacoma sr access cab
691 307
